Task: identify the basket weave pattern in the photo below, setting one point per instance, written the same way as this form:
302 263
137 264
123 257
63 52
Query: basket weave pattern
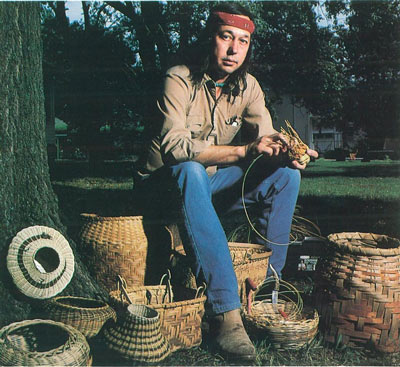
249 260
291 333
42 343
358 293
180 320
114 246
84 314
137 335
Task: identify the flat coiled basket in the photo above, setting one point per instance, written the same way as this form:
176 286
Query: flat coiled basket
84 314
42 343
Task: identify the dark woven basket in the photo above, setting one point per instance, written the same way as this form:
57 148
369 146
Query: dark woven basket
358 291
42 343
84 314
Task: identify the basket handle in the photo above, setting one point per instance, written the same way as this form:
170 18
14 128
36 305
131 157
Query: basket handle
121 286
168 292
200 290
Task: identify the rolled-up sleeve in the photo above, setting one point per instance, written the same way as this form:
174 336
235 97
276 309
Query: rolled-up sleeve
177 144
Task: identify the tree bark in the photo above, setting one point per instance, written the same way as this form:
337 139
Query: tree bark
26 194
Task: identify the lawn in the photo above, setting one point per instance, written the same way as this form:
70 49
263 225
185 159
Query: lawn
349 196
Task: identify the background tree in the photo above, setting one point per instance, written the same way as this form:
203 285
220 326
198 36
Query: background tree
373 67
26 195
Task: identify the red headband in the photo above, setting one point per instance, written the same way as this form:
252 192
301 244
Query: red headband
236 21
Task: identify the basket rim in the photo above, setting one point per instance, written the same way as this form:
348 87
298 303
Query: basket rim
115 296
55 301
363 250
96 217
73 334
246 245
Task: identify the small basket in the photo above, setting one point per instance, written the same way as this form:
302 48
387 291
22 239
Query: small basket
287 324
113 246
180 319
85 314
357 291
42 343
137 335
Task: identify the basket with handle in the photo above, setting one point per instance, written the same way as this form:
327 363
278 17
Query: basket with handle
180 310
84 314
275 309
42 343
358 290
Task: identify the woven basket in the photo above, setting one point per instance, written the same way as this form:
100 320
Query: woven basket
84 314
358 291
285 322
283 333
42 343
113 246
137 335
40 261
180 319
249 260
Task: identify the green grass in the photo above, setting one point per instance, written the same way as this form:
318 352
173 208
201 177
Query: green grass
337 196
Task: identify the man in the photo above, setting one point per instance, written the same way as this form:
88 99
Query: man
204 105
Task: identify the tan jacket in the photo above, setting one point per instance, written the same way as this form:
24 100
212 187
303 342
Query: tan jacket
193 118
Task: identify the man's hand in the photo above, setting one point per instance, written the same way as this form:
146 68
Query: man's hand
311 153
270 146
274 145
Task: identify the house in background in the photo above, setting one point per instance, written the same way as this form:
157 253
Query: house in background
320 139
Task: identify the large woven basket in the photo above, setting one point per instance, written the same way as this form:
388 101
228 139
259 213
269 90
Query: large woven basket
113 246
42 343
137 335
180 318
358 291
84 314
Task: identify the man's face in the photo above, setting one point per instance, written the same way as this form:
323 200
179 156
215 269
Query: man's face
231 47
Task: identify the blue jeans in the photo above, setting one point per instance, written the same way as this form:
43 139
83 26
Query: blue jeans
271 195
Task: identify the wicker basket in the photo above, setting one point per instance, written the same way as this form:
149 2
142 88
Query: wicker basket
42 343
84 314
249 260
275 309
40 261
137 335
113 246
180 319
358 291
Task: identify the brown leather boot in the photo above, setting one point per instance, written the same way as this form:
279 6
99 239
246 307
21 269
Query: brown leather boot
230 336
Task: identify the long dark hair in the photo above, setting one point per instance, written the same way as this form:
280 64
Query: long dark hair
200 56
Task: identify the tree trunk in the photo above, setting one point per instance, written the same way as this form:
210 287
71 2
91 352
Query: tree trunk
26 194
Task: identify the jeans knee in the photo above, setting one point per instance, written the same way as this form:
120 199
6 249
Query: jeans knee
190 170
293 178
